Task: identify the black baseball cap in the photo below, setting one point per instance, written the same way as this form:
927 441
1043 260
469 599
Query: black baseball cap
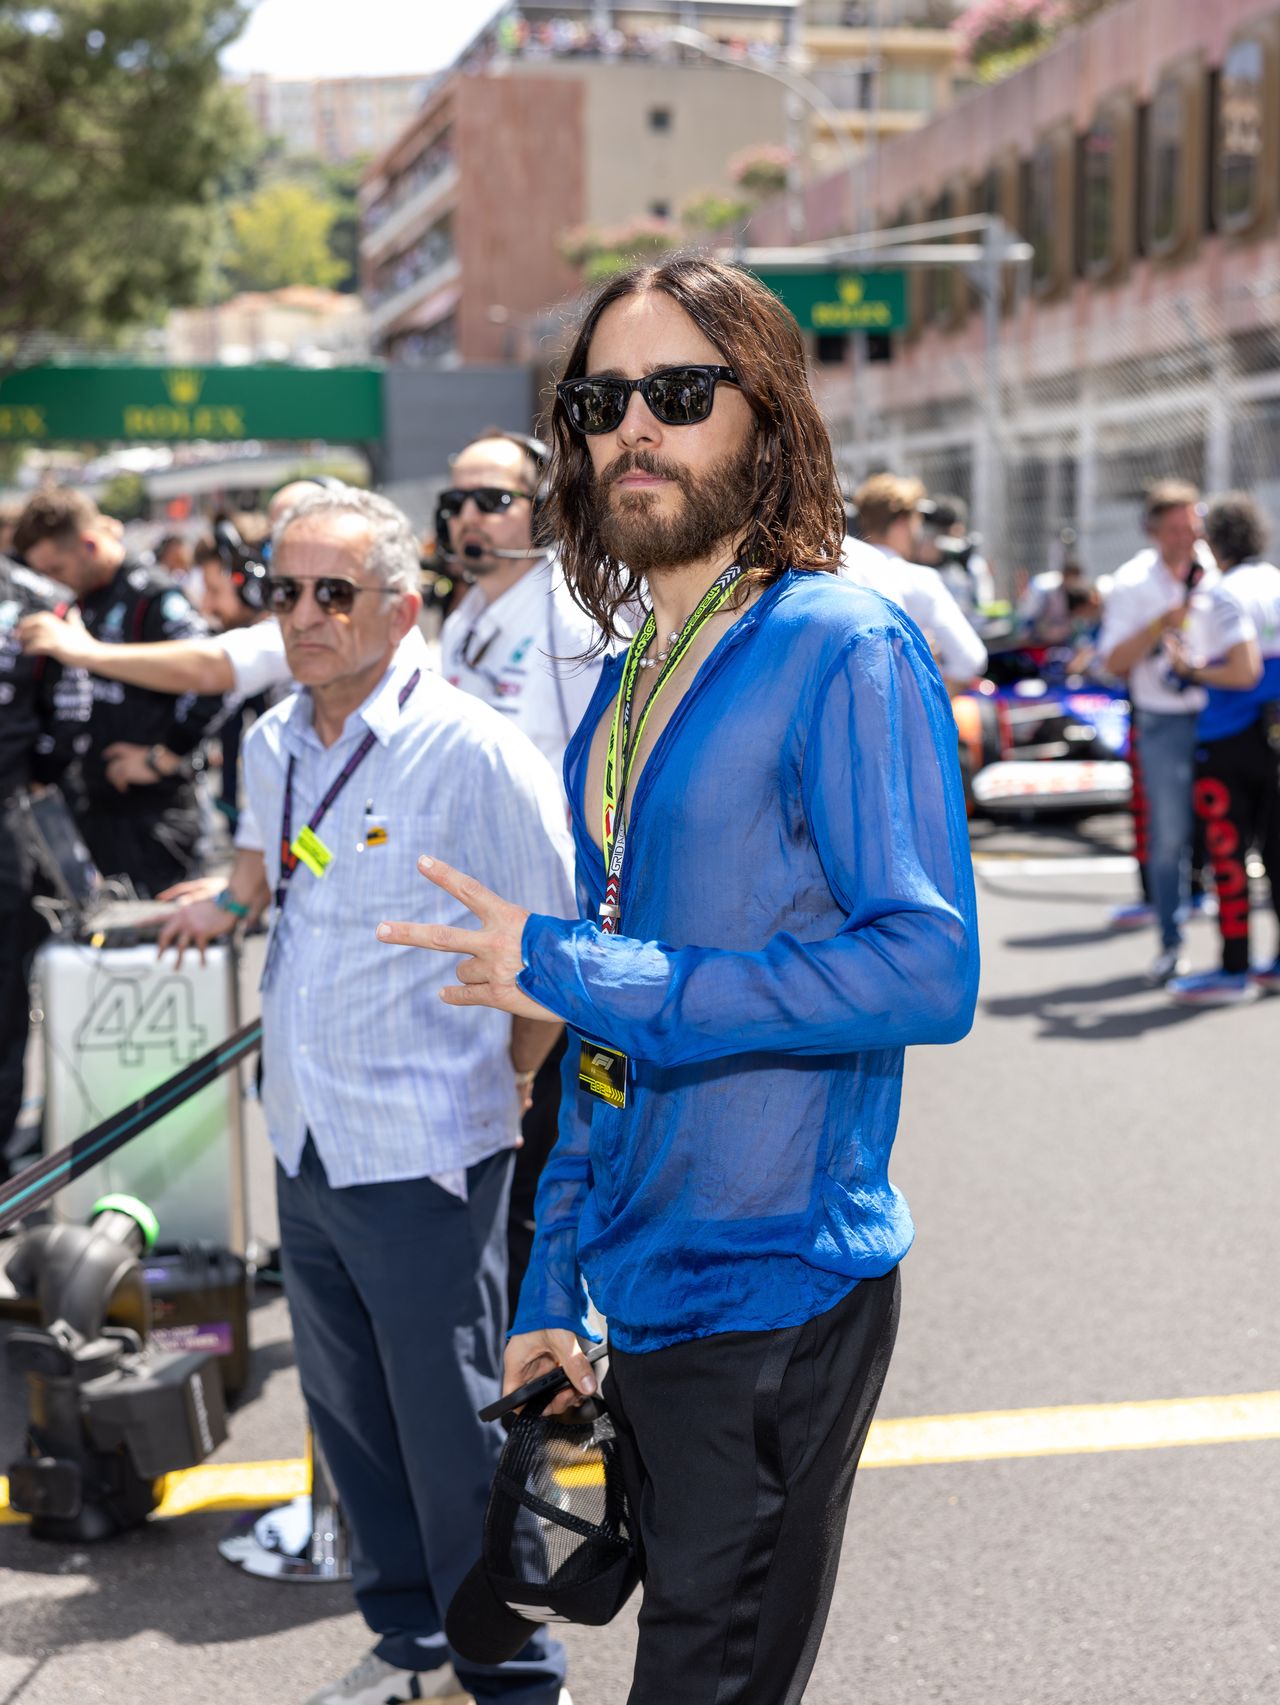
559 1540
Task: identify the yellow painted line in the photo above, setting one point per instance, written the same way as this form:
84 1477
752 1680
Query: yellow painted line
1006 1433
215 1486
989 1436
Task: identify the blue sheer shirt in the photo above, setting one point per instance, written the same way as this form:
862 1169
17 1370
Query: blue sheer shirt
797 907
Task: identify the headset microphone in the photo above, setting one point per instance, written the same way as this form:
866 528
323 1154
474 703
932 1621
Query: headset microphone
473 552
540 455
247 573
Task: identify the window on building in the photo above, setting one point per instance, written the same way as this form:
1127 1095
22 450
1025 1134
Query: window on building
998 192
659 118
1242 133
831 349
660 209
942 282
1098 167
906 89
1167 164
1107 186
1049 210
1042 224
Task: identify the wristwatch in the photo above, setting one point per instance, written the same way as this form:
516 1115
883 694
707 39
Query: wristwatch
227 902
153 762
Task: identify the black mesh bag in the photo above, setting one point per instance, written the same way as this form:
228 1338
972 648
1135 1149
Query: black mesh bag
559 1541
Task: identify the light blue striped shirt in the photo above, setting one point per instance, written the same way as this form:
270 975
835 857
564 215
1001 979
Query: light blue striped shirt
358 1047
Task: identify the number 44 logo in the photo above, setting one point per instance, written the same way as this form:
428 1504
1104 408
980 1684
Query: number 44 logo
122 1022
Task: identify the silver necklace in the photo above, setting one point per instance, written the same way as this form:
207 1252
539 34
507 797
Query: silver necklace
657 661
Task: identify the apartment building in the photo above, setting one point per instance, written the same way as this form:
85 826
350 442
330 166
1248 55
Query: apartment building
558 115
1140 158
333 118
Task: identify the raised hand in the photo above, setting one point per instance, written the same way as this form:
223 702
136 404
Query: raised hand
491 958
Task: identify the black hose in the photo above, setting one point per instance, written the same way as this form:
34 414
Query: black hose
36 1184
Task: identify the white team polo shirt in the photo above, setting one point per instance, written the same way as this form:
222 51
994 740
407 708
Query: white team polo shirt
1142 591
922 594
523 654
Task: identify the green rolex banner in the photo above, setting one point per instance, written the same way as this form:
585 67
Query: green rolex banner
152 405
831 301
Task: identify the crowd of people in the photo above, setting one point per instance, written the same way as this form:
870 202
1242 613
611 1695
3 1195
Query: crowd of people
597 935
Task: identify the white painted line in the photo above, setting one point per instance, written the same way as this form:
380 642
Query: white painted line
1107 865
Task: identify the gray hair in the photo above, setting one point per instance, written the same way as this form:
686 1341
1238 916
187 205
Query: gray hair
392 557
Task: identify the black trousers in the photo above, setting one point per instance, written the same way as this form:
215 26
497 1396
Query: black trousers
739 1452
538 1128
1237 799
21 932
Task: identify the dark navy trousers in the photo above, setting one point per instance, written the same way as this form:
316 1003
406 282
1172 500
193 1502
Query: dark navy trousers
398 1298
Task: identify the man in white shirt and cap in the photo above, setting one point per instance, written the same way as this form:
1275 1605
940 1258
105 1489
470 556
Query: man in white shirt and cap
889 520
1164 589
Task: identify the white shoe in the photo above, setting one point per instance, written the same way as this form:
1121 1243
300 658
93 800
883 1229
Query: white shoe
1167 965
373 1681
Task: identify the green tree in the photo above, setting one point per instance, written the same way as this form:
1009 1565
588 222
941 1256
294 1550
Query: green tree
280 236
125 497
116 133
335 182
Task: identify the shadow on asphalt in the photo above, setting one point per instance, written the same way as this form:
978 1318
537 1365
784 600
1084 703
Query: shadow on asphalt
1058 1020
1062 938
165 1578
266 1360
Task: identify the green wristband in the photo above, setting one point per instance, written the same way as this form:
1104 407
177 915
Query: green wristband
226 902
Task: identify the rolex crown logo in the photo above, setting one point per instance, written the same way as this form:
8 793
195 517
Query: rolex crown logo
851 291
184 385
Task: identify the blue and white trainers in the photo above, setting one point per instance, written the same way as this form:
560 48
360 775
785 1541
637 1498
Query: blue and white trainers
1204 905
1213 988
1267 978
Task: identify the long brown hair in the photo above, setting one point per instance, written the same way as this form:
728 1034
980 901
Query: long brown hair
795 517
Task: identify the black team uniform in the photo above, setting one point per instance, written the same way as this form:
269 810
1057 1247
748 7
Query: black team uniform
149 834
44 714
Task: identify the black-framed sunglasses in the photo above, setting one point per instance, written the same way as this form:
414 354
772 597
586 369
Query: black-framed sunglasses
488 499
677 396
335 596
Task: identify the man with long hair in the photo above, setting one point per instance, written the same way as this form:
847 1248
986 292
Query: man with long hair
776 898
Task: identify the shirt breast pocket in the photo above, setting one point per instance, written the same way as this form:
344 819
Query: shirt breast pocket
383 863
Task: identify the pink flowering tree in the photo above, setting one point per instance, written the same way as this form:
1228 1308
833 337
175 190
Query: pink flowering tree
761 171
602 251
997 36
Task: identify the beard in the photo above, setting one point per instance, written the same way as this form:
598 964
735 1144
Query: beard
713 506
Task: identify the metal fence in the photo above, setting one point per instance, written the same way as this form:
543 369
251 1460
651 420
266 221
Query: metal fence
1186 386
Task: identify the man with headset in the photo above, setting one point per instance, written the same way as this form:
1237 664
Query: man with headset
518 641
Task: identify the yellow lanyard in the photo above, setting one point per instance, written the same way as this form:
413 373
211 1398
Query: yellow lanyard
623 746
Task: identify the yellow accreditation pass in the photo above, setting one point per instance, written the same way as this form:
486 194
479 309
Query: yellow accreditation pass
602 1072
309 849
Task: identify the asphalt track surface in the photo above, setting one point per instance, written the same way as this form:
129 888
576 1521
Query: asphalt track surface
1095 1183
